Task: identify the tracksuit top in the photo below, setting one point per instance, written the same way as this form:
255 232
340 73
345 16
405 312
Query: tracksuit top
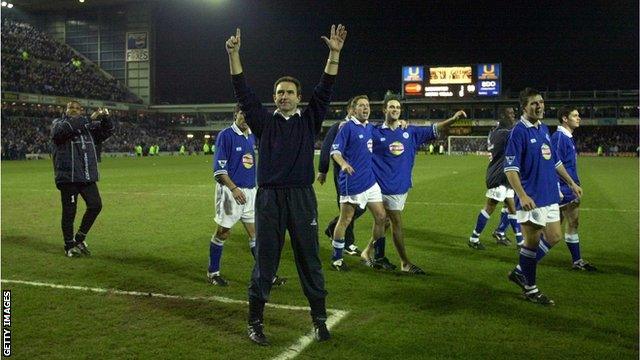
565 148
496 144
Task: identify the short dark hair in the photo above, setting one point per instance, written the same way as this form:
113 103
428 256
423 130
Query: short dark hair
350 103
355 99
388 97
288 79
564 111
526 94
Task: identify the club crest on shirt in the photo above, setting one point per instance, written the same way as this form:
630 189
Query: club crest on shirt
370 145
396 148
383 139
239 148
546 151
247 161
360 136
222 163
405 135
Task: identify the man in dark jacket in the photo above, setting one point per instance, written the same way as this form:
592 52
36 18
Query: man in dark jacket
75 162
285 199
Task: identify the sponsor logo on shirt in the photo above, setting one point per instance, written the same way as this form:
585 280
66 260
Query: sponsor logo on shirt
369 145
396 148
546 151
222 163
247 161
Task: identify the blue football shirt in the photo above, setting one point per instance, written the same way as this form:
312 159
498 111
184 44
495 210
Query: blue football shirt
235 156
565 148
355 145
394 154
529 152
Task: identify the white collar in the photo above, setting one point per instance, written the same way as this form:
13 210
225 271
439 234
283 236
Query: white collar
237 130
527 123
385 126
563 130
357 122
277 111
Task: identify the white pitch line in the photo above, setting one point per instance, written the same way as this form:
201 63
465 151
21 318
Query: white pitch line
291 352
320 199
306 340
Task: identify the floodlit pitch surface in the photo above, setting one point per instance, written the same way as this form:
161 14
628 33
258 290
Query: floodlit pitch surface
153 233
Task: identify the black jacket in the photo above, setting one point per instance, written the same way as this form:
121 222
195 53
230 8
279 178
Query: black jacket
74 147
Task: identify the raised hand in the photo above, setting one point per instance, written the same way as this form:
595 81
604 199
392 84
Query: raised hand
459 113
336 38
233 44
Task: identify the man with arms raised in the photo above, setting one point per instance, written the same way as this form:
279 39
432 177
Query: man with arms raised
285 199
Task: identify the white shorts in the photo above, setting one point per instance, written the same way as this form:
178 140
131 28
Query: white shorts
394 202
228 211
540 216
372 194
500 193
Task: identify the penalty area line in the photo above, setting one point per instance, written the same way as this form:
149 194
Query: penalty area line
335 316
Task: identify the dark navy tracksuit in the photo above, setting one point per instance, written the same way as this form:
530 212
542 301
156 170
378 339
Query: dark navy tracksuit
285 200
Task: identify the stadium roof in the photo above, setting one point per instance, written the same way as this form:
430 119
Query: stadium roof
48 5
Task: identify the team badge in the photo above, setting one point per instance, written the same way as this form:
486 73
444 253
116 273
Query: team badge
383 139
247 161
396 148
370 145
546 151
510 159
222 163
239 148
405 135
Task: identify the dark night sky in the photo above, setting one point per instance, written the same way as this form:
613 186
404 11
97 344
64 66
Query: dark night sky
555 45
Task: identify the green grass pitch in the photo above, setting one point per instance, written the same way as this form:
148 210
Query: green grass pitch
153 236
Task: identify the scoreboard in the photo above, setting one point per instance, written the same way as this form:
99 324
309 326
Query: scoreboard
458 81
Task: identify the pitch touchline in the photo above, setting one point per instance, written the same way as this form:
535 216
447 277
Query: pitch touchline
319 199
292 351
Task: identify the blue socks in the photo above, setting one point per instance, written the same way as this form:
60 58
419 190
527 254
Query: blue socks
573 243
528 264
543 248
513 220
338 246
215 253
481 222
504 221
378 248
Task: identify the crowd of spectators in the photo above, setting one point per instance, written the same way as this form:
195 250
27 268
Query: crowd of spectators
26 130
34 63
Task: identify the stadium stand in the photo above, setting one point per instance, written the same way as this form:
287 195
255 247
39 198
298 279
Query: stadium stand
34 63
